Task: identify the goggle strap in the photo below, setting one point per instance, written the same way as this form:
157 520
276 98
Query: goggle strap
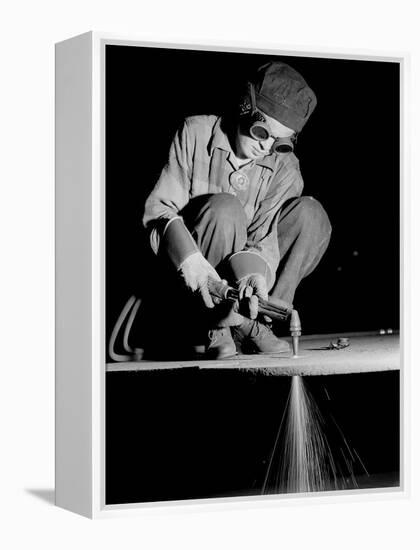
253 100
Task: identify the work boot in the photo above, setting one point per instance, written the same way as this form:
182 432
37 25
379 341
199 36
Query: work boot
255 337
220 344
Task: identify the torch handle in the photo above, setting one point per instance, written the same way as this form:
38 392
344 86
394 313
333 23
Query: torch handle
279 310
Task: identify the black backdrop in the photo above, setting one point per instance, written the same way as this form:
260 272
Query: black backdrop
348 152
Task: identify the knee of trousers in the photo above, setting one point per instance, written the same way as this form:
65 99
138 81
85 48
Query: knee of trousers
226 208
311 214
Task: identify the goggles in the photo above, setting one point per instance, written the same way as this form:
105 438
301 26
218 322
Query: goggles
260 131
257 127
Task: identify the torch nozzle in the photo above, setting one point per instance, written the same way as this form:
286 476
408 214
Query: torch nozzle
295 331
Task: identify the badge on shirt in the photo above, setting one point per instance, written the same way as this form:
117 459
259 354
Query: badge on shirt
238 180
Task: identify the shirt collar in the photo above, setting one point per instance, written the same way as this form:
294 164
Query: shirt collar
219 140
269 161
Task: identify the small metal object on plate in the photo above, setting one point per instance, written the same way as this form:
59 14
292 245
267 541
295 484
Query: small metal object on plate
340 344
138 354
343 342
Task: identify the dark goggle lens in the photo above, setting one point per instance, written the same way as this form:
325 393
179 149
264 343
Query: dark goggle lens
282 145
259 132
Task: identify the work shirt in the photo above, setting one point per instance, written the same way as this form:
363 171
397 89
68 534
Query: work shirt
201 161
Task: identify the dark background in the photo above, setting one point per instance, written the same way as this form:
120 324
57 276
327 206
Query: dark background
192 433
349 158
195 434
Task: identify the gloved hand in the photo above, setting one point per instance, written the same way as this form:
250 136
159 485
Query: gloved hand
251 288
196 270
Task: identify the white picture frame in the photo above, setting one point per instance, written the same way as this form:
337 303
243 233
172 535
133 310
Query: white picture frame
80 276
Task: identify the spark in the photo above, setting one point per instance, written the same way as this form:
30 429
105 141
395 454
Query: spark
302 459
343 437
360 460
307 463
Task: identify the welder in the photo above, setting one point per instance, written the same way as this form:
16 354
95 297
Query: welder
228 204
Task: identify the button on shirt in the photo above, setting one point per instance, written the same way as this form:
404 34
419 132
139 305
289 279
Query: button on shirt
201 161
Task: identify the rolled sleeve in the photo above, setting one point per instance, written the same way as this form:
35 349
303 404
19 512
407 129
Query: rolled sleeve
172 190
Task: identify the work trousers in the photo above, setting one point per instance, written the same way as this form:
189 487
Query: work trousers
173 318
219 226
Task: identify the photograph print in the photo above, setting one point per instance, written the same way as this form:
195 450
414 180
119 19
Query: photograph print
252 274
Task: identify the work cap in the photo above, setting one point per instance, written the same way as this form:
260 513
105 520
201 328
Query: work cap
282 93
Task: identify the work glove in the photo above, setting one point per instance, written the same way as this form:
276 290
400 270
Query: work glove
251 287
196 271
